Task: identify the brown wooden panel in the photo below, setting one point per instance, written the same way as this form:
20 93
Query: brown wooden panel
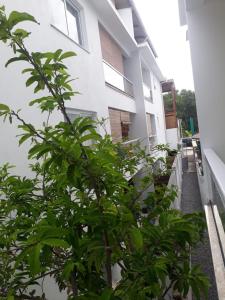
171 121
119 130
125 116
115 124
111 52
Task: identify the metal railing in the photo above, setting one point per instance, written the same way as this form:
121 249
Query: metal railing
117 80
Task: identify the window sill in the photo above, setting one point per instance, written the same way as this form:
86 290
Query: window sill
69 38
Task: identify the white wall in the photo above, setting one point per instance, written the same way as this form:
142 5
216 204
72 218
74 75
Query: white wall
87 67
206 25
157 109
172 137
127 17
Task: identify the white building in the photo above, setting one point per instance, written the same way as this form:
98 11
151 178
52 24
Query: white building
206 25
118 76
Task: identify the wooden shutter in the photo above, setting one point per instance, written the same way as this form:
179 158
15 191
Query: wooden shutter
111 52
119 122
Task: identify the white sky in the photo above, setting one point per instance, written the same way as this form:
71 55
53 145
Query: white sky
161 20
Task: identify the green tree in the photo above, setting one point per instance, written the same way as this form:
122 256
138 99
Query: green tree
78 216
186 107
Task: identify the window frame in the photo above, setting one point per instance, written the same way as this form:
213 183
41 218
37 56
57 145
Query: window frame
79 17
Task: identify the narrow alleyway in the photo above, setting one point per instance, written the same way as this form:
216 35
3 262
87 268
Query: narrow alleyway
191 202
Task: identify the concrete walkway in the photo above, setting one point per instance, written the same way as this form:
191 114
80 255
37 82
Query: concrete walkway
191 202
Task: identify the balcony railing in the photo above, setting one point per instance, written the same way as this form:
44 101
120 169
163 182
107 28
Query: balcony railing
117 80
147 92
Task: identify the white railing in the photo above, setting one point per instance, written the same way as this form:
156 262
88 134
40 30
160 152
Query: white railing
117 80
213 185
147 92
130 142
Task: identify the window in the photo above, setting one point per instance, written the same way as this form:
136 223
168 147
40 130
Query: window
120 122
151 124
67 18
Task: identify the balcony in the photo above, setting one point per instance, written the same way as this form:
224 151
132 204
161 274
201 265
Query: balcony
118 81
147 92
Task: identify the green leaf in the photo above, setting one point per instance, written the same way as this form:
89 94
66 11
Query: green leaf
56 243
67 55
136 238
106 295
17 17
24 138
31 80
57 54
21 33
4 108
10 297
42 99
34 259
68 269
27 70
13 59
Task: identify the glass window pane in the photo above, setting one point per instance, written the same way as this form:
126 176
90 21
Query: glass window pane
73 23
59 15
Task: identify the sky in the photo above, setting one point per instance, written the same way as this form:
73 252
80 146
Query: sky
161 20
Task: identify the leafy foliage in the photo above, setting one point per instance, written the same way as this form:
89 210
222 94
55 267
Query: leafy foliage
186 107
79 216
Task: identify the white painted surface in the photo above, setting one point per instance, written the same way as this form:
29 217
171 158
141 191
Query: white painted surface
87 67
172 137
206 23
216 253
126 16
217 171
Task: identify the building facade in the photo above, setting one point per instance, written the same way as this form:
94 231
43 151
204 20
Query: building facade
117 74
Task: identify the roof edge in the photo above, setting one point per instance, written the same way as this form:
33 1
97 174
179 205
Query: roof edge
142 24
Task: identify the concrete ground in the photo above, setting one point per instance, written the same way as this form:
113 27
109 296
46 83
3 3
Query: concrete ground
191 202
